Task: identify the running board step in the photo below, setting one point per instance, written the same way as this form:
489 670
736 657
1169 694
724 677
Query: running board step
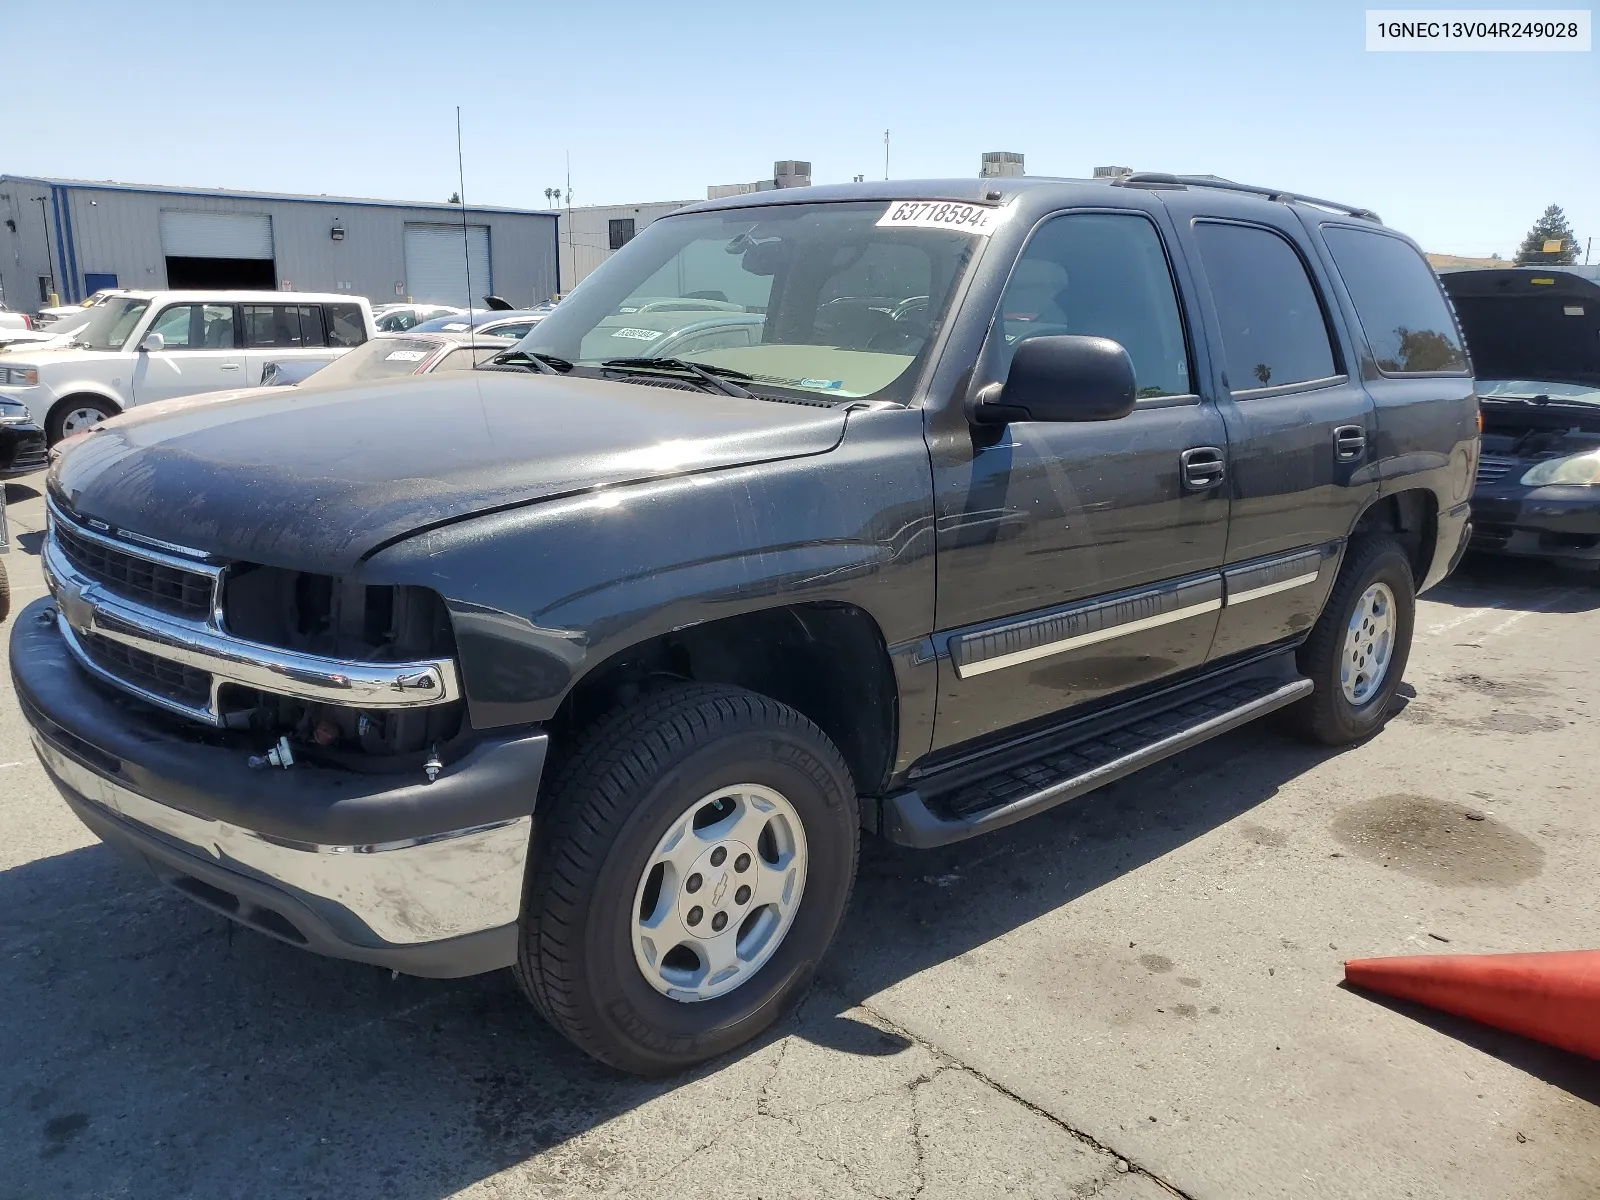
935 816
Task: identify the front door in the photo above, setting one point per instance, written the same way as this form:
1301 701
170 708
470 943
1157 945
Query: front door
1081 559
1301 427
199 354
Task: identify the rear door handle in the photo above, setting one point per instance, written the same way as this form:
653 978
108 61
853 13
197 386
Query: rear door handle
231 367
1349 443
1202 468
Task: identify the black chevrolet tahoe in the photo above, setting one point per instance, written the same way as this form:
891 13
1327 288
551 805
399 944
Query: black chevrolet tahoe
595 663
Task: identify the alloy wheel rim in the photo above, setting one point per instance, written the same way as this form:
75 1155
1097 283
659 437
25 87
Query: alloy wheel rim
719 892
80 419
1368 645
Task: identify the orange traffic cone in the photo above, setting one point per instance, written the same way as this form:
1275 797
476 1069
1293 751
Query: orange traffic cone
1552 997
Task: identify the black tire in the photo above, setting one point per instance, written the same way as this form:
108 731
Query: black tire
1327 715
54 423
625 780
5 591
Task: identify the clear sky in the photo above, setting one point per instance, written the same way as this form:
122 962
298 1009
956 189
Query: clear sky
655 101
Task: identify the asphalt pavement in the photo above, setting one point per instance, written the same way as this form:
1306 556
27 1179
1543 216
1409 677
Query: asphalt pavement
1135 996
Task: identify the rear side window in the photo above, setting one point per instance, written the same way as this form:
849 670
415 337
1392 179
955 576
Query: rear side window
345 326
1397 297
1273 330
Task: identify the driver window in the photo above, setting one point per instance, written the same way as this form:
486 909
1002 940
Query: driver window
174 324
1101 275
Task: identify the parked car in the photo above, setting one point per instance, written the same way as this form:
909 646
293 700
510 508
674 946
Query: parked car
14 320
600 664
142 346
22 442
1534 336
512 323
393 354
60 312
397 318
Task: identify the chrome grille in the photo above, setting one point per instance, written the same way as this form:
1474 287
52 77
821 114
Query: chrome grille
186 685
129 574
1492 468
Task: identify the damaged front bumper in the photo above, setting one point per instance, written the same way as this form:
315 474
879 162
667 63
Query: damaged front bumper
424 878
1558 522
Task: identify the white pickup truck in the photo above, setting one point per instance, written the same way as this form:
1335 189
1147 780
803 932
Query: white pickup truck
137 347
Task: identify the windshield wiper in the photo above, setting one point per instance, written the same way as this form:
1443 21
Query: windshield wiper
716 377
545 364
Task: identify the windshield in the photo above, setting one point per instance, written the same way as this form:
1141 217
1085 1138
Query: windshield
381 358
815 298
108 326
1527 389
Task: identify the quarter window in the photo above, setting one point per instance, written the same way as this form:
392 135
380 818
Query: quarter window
1101 275
1273 329
1398 300
345 326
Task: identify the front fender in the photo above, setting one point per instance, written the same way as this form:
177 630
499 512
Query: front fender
542 595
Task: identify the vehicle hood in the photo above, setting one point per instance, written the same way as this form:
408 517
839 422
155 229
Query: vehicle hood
1529 323
52 358
317 478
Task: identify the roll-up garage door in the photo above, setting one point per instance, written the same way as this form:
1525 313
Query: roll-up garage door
215 235
436 268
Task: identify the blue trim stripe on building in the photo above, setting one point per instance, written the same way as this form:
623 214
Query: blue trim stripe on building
63 271
75 281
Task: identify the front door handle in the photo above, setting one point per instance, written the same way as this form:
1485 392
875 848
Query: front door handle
231 367
1202 468
1349 443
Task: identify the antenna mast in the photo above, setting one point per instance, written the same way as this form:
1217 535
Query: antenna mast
466 241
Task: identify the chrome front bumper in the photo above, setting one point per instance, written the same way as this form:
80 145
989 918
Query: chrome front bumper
426 878
445 905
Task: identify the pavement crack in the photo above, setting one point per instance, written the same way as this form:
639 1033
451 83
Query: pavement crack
950 1061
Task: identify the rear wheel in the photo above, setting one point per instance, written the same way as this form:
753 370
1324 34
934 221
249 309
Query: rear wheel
1357 652
694 857
76 414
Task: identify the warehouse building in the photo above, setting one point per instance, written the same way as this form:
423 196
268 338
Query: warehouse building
592 233
67 238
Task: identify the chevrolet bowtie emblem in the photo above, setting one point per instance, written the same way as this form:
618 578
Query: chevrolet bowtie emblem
721 890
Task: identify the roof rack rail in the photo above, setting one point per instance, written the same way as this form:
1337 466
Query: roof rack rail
1365 214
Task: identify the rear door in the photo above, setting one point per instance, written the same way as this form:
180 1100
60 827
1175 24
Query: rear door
200 353
290 334
1300 424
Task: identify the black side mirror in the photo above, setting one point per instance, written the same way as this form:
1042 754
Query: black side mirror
1065 377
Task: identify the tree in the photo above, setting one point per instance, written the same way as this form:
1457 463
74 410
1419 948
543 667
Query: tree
455 198
1552 227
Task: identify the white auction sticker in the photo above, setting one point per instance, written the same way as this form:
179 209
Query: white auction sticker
1479 29
643 335
942 214
406 356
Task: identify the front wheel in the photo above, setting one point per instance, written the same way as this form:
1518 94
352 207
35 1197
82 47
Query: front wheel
76 414
694 858
1357 651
